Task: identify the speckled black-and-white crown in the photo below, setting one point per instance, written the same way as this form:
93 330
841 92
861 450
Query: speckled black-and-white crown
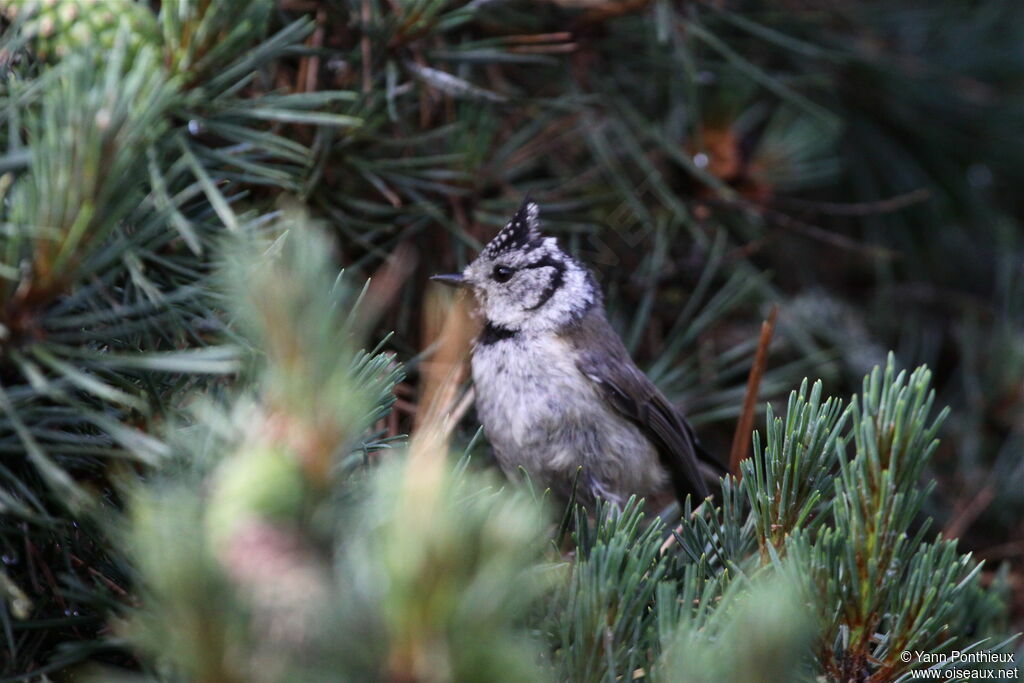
520 233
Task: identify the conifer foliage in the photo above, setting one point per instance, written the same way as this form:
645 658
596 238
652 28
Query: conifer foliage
227 454
289 562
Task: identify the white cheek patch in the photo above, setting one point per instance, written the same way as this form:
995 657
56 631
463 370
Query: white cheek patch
532 286
548 290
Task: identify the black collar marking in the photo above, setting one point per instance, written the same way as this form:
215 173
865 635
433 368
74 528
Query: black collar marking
491 334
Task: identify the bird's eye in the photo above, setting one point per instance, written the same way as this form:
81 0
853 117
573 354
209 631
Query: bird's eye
502 273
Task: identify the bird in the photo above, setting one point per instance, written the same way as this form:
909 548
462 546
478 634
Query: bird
557 393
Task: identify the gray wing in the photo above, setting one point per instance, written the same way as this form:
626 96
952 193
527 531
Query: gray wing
605 361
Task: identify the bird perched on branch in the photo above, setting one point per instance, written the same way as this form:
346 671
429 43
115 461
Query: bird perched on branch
556 390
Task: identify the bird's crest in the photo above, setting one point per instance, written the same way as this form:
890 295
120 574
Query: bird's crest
519 233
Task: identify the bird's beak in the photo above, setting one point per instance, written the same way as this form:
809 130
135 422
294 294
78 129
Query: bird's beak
450 279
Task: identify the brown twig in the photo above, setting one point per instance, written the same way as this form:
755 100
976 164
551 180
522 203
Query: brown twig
438 408
366 48
449 329
531 38
543 49
601 12
970 512
741 439
1003 551
459 412
874 208
312 63
668 542
99 576
787 222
